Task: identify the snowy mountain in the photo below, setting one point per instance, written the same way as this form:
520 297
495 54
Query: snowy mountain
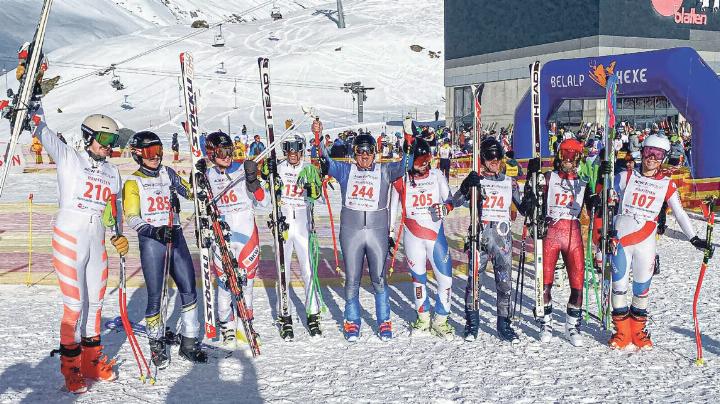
310 60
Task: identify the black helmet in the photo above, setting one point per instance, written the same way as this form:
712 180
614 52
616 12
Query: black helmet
218 145
142 144
491 149
421 148
364 143
364 139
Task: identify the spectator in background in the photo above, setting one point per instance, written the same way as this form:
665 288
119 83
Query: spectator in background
445 153
677 151
339 149
175 145
256 147
239 150
634 142
36 147
512 168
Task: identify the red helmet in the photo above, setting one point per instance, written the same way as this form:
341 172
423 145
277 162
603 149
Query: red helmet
570 149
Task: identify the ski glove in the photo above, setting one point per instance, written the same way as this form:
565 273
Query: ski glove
121 244
604 168
699 243
472 180
439 210
251 176
201 166
391 244
533 166
529 200
162 233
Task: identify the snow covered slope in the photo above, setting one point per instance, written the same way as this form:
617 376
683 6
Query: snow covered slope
310 60
71 22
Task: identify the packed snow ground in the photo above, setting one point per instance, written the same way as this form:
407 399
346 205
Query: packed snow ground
405 369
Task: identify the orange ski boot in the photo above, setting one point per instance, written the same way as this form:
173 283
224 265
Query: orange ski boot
640 334
70 368
95 365
622 336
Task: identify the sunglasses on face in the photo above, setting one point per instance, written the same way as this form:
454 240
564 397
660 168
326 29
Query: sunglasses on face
653 153
151 152
106 139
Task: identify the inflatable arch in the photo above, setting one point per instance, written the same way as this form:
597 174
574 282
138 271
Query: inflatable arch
679 74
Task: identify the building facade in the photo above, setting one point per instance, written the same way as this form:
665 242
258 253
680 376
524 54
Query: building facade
495 41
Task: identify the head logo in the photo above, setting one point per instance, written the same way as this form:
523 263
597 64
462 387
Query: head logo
600 73
666 8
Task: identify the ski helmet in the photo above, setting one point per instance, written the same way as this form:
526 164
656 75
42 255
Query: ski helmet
655 146
490 149
100 128
570 149
145 145
295 143
218 145
364 143
661 142
422 153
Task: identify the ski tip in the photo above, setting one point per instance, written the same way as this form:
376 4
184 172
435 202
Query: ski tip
700 362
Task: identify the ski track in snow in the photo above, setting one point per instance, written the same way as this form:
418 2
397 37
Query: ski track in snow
406 369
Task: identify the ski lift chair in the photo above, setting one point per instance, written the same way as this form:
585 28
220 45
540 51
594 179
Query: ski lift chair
275 13
219 39
221 69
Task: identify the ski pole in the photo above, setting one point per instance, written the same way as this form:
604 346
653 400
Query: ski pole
707 207
332 224
165 300
520 280
28 279
122 296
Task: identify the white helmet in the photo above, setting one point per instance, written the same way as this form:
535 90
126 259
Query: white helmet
97 123
661 142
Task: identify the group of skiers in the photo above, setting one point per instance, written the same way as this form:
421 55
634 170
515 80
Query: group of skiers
372 194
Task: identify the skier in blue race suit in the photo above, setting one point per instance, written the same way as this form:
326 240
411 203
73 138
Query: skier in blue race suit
364 227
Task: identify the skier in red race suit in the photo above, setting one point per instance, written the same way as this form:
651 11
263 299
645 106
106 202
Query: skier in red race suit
565 192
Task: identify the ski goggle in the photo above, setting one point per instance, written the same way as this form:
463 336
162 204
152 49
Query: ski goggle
364 149
491 155
655 153
151 152
222 152
421 161
293 146
106 139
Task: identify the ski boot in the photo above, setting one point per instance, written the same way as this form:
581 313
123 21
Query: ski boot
472 323
227 331
190 350
622 336
546 324
385 330
572 326
505 331
286 330
442 328
95 365
313 323
158 353
70 364
421 324
351 330
639 332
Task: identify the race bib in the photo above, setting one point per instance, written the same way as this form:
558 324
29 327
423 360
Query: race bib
363 190
155 198
94 188
565 197
292 194
420 198
643 197
498 198
236 199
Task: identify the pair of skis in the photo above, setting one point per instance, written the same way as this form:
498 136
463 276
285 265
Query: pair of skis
25 96
475 229
207 221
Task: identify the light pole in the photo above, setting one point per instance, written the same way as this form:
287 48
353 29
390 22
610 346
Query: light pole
341 15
